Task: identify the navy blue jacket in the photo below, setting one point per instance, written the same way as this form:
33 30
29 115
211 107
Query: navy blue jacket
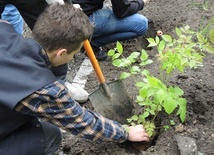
23 70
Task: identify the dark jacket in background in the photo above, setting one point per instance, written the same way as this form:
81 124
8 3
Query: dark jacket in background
121 8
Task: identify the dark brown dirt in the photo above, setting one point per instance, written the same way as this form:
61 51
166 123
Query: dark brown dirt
198 84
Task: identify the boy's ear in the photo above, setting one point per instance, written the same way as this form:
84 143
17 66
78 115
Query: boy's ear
60 52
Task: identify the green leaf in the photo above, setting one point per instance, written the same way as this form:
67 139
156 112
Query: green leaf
145 114
186 28
182 108
161 95
151 93
152 42
140 84
169 69
135 69
132 60
192 63
167 38
143 92
150 133
184 61
134 117
148 62
182 29
182 113
119 47
152 112
169 105
142 103
117 62
157 40
178 91
111 52
159 108
161 46
152 125
115 56
144 55
178 31
139 99
209 48
182 102
201 38
134 55
127 62
133 124
139 121
153 106
166 127
212 36
124 75
129 120
181 68
152 81
172 122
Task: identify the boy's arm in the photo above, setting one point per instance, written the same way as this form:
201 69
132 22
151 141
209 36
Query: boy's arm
54 104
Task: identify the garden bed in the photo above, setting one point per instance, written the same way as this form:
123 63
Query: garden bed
198 85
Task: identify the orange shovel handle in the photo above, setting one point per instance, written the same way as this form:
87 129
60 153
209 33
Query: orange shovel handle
94 62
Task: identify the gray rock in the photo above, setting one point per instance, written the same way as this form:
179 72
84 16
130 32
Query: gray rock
186 145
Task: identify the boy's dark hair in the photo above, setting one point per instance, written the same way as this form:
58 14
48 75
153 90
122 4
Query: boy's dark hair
62 26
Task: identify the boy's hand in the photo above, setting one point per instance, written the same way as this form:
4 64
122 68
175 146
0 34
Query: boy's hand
77 6
146 1
137 133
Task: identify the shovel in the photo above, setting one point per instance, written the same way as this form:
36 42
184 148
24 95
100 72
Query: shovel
110 99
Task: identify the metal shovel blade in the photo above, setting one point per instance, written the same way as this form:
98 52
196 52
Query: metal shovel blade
117 107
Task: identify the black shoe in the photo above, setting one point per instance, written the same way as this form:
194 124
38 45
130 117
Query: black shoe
99 53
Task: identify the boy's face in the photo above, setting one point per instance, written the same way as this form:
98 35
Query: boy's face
63 56
68 56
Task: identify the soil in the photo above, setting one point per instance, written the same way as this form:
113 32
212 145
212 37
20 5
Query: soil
198 84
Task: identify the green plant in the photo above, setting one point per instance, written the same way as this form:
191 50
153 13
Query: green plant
156 95
203 5
205 31
185 51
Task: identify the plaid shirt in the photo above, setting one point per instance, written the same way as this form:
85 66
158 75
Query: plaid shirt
54 104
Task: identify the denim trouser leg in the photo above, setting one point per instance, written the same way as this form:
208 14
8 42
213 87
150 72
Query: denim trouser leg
29 9
12 15
109 28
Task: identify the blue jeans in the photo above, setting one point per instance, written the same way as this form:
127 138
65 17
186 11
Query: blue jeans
108 28
12 15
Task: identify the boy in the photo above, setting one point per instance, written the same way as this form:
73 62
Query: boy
30 10
31 90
